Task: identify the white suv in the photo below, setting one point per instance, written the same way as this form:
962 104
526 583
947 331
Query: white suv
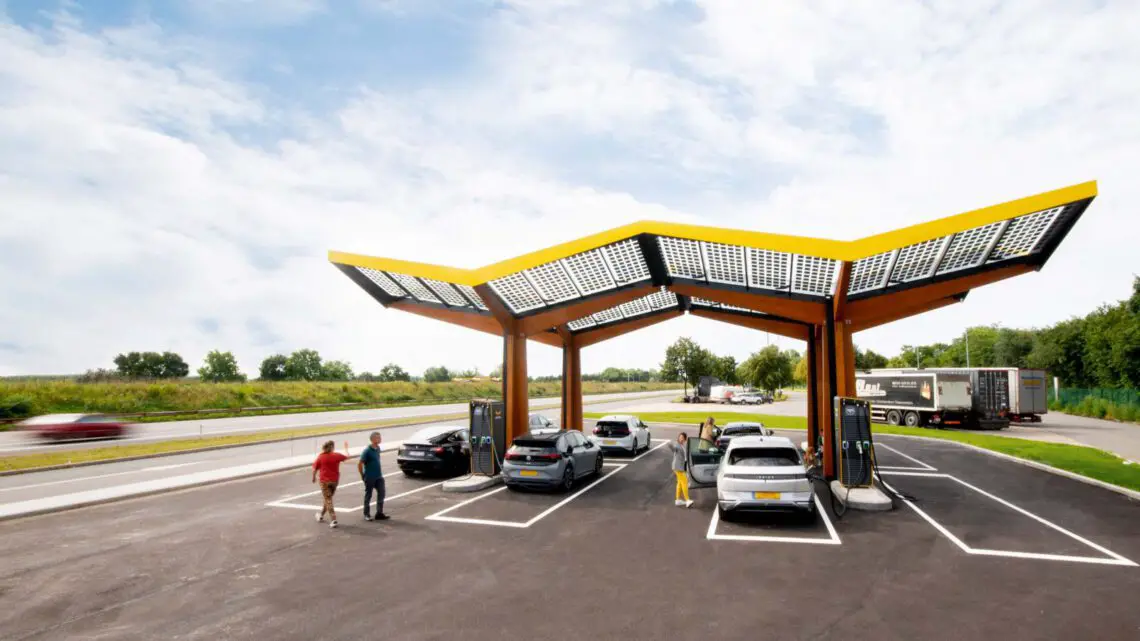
761 473
621 432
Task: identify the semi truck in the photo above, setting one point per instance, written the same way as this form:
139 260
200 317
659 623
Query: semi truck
1012 393
917 398
703 390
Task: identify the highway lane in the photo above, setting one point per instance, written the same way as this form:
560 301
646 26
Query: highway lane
16 442
36 485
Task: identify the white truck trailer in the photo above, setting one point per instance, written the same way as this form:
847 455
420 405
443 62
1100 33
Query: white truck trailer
917 398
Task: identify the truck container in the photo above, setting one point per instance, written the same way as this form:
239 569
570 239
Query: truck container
916 398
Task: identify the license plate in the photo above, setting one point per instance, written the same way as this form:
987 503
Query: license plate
415 453
609 442
772 496
528 473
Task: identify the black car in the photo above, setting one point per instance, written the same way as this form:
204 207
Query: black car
742 428
436 450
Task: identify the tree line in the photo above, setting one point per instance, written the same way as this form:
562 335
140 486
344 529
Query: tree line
1100 349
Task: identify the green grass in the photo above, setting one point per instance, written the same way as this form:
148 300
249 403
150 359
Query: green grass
113 452
22 398
1088 461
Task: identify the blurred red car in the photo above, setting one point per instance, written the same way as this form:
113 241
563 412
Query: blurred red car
74 426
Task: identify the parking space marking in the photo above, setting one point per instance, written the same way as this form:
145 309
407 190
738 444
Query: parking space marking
442 514
833 536
922 466
1115 559
301 506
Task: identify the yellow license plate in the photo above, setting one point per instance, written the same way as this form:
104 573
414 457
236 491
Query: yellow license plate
528 473
766 495
609 442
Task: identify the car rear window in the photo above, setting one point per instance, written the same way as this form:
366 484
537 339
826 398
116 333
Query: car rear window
737 430
763 457
533 443
612 427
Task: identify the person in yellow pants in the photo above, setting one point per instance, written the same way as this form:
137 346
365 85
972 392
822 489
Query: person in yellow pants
680 463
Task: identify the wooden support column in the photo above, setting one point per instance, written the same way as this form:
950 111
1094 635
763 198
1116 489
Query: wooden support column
844 346
823 403
515 388
812 390
571 381
515 385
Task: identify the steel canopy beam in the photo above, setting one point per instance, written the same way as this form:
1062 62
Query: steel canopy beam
783 328
777 305
562 315
606 332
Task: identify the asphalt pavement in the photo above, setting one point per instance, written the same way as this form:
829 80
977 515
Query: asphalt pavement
17 442
989 549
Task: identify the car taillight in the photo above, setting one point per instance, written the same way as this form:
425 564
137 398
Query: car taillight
597 430
514 457
438 451
553 456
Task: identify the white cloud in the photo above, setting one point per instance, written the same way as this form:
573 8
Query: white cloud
134 214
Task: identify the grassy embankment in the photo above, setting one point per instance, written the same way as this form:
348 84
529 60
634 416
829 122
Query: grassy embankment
19 399
1088 461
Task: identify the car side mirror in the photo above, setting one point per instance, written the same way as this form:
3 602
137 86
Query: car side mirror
569 451
769 432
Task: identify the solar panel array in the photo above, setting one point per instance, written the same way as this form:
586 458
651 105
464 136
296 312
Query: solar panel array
638 307
969 249
623 263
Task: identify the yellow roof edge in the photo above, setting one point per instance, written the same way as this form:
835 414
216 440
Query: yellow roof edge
898 238
411 268
820 247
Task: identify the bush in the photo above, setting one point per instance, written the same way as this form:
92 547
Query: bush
15 407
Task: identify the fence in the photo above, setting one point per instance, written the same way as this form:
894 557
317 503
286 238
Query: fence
1072 396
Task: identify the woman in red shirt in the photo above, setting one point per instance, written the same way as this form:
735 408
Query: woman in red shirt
328 464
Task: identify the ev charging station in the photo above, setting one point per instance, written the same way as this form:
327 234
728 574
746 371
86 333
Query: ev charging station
852 420
488 433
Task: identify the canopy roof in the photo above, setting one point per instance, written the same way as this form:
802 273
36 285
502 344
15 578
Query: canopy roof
654 270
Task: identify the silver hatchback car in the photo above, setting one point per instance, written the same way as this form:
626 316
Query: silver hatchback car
550 459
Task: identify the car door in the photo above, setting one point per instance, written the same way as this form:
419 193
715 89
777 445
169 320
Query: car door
704 459
583 454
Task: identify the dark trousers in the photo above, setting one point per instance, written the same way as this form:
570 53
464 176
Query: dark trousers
376 485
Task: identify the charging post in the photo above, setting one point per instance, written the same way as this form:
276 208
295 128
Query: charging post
855 482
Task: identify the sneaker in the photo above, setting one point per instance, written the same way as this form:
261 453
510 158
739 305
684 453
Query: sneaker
688 504
332 525
320 518
679 503
382 517
368 518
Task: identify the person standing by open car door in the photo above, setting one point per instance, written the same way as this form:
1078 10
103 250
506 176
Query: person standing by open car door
680 465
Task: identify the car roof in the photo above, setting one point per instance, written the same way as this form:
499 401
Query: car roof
541 435
432 432
760 441
617 417
743 424
51 419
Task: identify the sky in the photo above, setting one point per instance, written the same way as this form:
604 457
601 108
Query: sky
173 174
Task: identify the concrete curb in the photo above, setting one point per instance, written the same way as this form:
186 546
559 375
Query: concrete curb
198 450
1132 494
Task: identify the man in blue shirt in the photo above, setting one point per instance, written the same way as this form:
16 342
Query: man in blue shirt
369 468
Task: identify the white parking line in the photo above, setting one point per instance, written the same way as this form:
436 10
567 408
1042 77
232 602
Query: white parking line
302 506
1115 559
441 515
833 536
922 466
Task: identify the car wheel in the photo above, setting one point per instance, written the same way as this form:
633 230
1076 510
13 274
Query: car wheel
512 487
598 464
648 441
912 419
894 417
568 478
634 447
